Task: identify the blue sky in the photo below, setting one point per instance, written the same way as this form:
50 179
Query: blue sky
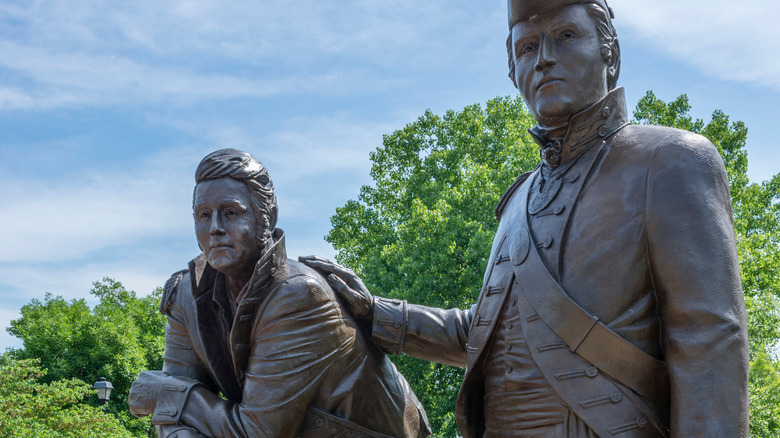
107 107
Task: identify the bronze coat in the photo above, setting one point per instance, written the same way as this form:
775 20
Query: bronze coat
291 346
647 246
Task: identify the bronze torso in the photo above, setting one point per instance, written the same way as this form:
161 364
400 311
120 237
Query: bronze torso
635 225
291 362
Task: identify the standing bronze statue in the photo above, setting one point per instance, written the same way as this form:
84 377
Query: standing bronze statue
266 332
612 304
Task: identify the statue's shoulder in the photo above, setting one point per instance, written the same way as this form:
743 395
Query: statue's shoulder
509 192
170 288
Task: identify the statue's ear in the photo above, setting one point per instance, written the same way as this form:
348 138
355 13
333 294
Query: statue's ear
611 55
274 216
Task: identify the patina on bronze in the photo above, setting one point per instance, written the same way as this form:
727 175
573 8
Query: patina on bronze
612 303
266 332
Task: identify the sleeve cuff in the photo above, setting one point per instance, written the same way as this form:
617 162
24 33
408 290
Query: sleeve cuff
390 322
170 402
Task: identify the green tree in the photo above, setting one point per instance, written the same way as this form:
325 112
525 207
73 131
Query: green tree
31 408
118 338
423 231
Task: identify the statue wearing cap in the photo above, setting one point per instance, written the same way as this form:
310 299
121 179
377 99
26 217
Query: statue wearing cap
611 304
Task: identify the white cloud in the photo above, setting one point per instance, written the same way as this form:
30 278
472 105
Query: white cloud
726 39
56 220
72 53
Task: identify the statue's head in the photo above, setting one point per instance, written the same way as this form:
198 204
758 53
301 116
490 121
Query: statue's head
563 55
235 210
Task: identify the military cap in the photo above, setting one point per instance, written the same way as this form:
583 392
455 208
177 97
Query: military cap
520 10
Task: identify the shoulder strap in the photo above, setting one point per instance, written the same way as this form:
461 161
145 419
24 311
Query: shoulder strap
582 332
169 291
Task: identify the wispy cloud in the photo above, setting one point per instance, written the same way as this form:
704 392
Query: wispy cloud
725 39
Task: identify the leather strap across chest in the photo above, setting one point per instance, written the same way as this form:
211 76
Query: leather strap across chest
582 332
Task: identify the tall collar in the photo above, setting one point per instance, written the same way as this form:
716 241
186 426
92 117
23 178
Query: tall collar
595 123
266 267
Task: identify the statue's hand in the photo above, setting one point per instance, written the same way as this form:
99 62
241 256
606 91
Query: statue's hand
144 392
348 285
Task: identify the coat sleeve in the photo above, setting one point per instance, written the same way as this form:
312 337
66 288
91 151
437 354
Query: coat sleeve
437 335
695 272
297 335
179 358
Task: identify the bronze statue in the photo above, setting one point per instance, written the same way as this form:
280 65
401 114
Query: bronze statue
266 332
612 304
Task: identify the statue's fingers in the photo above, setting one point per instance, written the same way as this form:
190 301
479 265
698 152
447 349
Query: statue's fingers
332 267
338 284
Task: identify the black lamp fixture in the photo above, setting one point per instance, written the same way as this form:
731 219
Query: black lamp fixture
103 389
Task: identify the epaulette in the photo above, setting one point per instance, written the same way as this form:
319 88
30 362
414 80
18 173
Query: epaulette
508 194
169 291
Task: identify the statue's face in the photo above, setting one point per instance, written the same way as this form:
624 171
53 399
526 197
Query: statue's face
226 226
559 69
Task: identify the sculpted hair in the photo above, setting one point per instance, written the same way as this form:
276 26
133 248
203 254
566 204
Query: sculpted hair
609 44
243 167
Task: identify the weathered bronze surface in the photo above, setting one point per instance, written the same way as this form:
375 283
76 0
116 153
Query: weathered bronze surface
266 332
612 303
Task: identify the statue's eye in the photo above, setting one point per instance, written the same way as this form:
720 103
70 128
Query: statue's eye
567 36
527 49
203 215
230 212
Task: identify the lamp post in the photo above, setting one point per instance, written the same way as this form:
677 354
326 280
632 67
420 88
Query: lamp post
103 389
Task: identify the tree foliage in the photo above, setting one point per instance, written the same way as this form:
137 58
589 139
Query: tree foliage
423 231
117 339
31 408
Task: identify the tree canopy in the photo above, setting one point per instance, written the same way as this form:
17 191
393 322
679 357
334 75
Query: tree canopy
423 231
121 336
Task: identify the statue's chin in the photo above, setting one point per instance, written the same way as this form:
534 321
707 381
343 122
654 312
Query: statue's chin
553 112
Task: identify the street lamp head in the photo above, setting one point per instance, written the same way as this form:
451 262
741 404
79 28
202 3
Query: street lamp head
103 389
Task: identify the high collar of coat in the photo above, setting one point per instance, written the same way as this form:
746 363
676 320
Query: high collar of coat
593 124
265 268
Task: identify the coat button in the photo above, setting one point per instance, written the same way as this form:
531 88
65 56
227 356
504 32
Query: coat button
605 112
546 242
397 324
603 130
319 422
591 372
476 320
511 325
513 302
508 347
559 209
641 422
615 397
509 370
273 271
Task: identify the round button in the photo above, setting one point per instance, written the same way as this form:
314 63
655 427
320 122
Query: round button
509 370
397 324
606 112
615 397
511 324
513 302
547 242
603 130
346 432
508 348
559 209
476 320
591 371
319 422
641 422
